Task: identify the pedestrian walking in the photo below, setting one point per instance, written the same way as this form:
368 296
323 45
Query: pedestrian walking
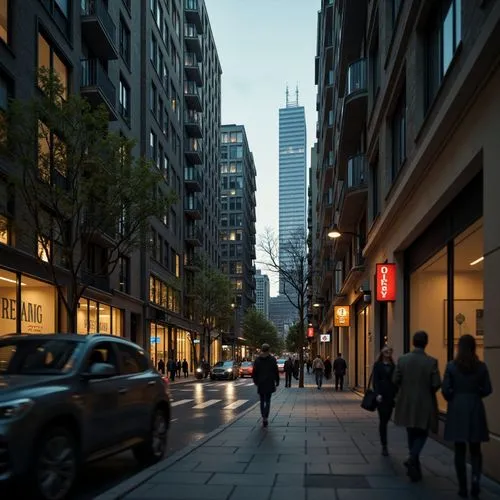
466 382
178 366
161 366
417 378
384 388
328 368
339 369
318 369
185 368
266 377
171 367
309 366
288 369
296 369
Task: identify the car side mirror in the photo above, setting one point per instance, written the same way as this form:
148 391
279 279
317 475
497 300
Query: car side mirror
100 370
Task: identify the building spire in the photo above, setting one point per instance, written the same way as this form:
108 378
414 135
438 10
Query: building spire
297 94
287 94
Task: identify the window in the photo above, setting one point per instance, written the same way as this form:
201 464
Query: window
132 360
124 96
153 146
398 131
5 236
124 42
176 21
443 37
153 98
374 70
47 58
153 51
4 20
124 273
51 155
177 266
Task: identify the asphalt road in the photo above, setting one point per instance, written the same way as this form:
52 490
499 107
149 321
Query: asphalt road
198 408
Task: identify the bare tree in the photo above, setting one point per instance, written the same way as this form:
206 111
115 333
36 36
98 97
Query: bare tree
81 187
293 272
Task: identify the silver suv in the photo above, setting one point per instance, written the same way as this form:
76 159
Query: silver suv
69 399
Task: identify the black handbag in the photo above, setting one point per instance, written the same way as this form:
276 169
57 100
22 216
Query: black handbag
369 402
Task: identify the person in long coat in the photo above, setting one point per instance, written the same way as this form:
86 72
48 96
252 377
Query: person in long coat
266 377
328 368
417 378
466 382
383 371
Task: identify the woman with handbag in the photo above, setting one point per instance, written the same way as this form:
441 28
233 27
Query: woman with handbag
385 391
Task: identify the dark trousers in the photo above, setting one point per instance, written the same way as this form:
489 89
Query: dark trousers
172 375
416 442
265 405
476 462
319 378
384 415
339 380
288 379
185 374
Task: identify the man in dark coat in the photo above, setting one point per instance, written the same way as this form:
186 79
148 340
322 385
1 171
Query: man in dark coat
171 367
266 377
288 369
339 369
161 366
328 368
417 378
185 368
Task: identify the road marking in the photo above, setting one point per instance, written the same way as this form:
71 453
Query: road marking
182 402
206 404
236 404
250 384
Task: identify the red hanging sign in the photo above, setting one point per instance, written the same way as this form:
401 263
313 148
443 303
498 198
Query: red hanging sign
310 332
386 282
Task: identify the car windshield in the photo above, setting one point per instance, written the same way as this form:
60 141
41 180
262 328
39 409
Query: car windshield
37 356
228 364
246 363
219 363
281 361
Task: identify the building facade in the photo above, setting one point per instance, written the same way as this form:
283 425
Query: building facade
415 146
262 293
292 177
135 59
283 314
237 219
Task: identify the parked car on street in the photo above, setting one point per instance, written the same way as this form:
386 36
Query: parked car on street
246 369
67 399
228 370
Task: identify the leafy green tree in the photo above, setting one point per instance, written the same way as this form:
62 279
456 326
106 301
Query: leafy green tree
213 304
259 330
79 184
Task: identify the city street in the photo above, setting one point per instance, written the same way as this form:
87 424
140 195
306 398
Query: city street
198 407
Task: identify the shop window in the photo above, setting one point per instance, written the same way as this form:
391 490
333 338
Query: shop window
104 318
117 321
8 305
158 342
82 317
92 315
49 59
468 285
428 307
38 306
96 317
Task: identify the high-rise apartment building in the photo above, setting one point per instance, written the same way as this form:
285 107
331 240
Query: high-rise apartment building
238 216
262 293
408 121
292 176
138 59
282 313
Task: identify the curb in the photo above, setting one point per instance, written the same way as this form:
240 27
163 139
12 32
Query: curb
132 483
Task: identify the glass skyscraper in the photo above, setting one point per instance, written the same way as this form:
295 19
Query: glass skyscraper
292 176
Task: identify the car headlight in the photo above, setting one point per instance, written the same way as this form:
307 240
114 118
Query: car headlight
199 370
15 408
229 370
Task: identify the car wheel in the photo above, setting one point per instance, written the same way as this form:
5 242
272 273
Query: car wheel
152 450
55 465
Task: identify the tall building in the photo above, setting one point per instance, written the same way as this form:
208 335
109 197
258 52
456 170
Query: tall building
282 314
409 112
138 59
292 177
238 217
262 293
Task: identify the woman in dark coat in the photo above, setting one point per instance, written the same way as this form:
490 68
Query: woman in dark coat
328 368
385 390
466 382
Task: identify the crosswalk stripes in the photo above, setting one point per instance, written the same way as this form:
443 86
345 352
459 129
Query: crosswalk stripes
206 404
236 404
181 402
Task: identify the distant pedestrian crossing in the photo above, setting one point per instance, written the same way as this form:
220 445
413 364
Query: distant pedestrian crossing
210 402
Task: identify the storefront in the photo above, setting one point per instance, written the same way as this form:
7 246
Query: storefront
97 317
444 278
159 343
38 310
184 348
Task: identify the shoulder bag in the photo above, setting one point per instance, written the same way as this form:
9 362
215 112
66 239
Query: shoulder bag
369 402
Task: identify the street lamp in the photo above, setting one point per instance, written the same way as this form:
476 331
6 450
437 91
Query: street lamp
334 233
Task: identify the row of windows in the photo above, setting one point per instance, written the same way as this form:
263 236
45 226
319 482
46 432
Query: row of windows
231 168
161 252
227 137
235 152
164 295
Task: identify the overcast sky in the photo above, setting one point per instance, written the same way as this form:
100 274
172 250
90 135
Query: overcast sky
262 46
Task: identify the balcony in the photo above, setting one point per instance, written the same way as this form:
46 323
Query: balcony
192 68
192 11
98 29
193 207
355 192
193 151
193 123
192 96
100 282
353 23
193 179
96 86
191 264
193 235
353 113
192 40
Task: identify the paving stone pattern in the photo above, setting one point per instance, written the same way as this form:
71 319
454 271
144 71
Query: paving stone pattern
319 445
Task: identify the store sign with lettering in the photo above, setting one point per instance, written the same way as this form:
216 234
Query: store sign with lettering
386 282
30 313
342 316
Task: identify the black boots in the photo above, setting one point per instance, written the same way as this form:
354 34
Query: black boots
461 470
476 465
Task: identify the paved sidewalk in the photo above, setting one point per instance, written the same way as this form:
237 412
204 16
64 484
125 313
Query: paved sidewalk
319 445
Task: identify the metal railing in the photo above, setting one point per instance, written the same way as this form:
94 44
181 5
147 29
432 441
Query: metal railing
94 75
98 9
193 145
191 5
190 88
192 174
356 76
193 117
192 204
